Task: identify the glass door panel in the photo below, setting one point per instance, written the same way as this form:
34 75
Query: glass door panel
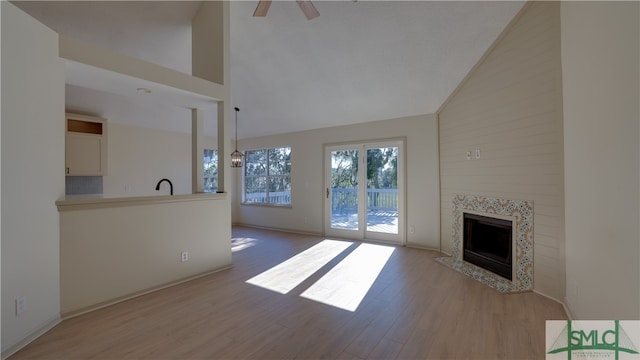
364 191
382 190
343 193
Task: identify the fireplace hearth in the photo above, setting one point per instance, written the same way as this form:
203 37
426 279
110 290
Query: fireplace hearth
487 243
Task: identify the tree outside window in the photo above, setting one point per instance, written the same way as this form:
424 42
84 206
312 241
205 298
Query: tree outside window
210 170
267 176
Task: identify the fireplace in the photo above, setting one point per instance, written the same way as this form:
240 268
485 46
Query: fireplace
487 243
520 214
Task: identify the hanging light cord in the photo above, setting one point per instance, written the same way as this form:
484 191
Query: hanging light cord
236 156
237 110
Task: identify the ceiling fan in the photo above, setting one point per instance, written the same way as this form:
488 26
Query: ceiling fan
305 5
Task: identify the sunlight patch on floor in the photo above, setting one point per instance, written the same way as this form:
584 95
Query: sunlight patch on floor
238 244
348 282
285 276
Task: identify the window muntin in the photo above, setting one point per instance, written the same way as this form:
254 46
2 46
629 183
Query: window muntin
267 176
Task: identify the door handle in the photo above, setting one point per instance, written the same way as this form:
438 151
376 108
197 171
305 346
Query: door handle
327 193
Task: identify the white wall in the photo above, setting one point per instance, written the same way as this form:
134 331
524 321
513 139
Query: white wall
137 110
510 108
32 174
601 136
168 46
207 37
307 176
141 149
114 251
139 157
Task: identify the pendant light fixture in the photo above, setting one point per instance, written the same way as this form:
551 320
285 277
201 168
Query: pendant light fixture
236 156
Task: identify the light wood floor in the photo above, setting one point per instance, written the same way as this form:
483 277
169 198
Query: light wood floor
416 309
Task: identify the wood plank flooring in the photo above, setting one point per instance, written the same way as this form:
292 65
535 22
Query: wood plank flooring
416 309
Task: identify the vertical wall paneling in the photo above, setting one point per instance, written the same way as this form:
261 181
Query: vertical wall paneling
509 109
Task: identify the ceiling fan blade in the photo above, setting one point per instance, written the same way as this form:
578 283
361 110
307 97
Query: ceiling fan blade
262 8
308 9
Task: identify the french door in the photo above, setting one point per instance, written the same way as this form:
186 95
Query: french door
364 191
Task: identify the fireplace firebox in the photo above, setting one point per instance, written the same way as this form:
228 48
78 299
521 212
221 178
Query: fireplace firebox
487 243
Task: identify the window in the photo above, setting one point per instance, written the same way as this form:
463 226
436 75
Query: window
210 170
267 176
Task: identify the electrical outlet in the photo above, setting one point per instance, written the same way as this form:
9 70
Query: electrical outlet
184 256
477 153
21 305
412 229
468 155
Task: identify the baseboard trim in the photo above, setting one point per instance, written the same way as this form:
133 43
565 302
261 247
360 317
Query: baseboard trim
88 309
290 231
31 337
422 247
564 305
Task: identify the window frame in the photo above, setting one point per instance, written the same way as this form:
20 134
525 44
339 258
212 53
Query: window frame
267 177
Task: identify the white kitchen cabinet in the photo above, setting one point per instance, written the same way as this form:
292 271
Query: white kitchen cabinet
85 145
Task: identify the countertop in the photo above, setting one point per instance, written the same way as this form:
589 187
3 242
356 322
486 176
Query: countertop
79 202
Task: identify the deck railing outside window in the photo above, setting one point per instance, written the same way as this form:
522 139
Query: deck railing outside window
275 198
345 200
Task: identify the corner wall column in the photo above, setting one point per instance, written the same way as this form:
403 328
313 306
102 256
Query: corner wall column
197 151
223 146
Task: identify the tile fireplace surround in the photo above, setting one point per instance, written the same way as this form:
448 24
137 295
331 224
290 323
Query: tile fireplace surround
522 212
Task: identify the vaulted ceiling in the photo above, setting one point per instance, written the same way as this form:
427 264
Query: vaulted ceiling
357 62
